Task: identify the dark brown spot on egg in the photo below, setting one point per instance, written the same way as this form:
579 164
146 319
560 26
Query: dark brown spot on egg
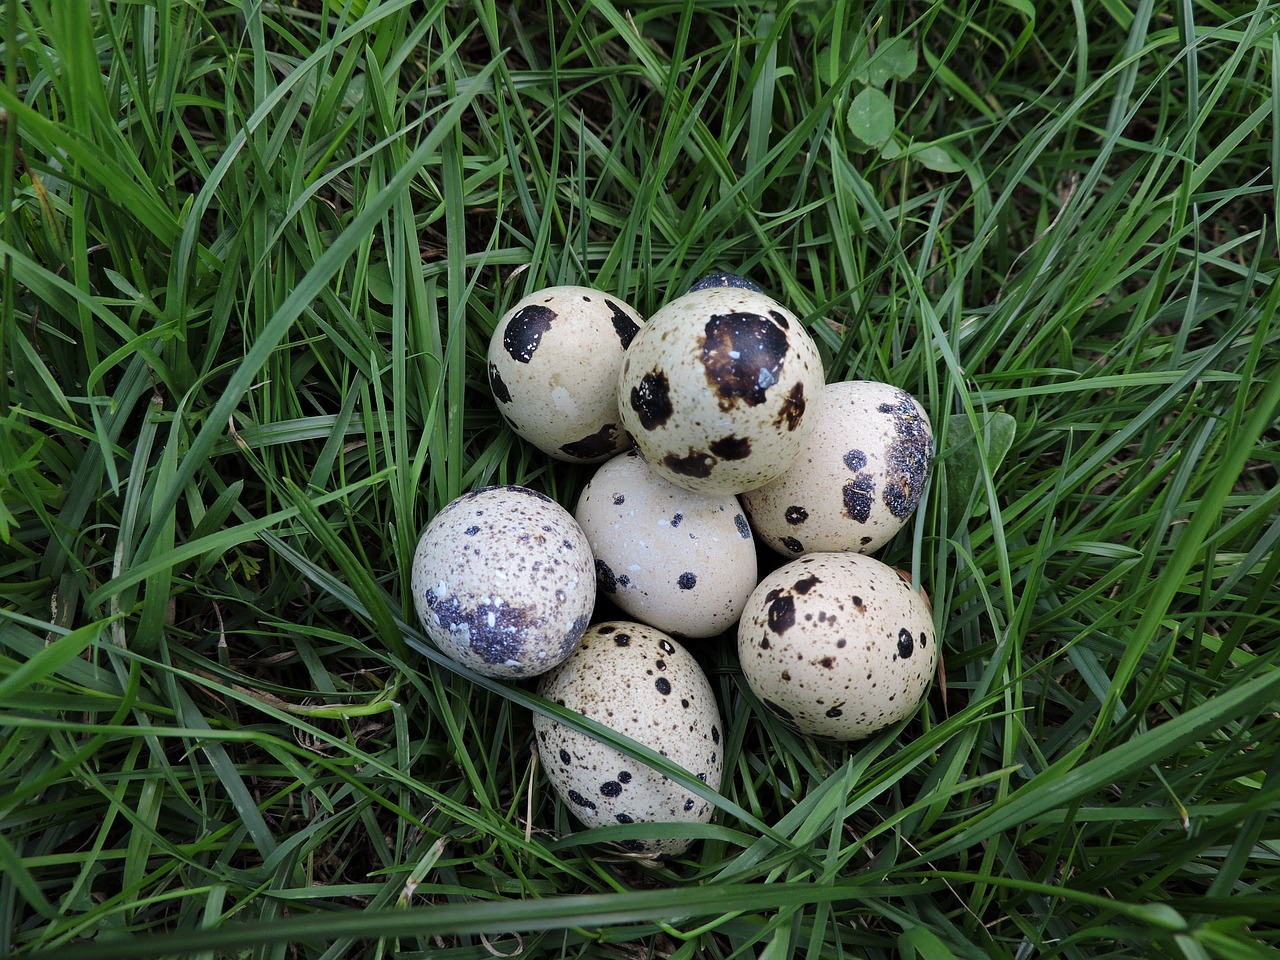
677 519
564 756
857 497
604 576
623 818
498 385
623 325
580 800
651 400
593 446
906 643
663 685
524 331
805 584
780 319
697 464
782 613
855 460
610 788
742 356
687 581
796 515
744 528
622 639
827 662
792 412
792 544
835 712
908 457
624 776
732 448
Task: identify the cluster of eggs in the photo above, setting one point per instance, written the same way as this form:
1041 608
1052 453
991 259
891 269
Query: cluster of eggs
714 427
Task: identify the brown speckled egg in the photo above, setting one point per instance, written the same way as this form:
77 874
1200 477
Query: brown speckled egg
554 359
858 478
504 581
720 389
638 681
680 561
838 645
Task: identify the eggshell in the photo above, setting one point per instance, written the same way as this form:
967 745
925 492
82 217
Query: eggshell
838 645
643 684
720 389
858 479
504 581
554 360
680 561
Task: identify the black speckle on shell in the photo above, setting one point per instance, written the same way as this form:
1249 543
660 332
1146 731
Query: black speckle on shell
564 755
908 457
687 580
858 494
663 686
781 615
796 515
610 788
855 460
792 544
497 633
793 406
604 576
623 325
731 448
595 445
722 279
651 400
742 357
580 800
697 464
906 643
744 528
624 818
677 519
619 499
805 584
524 331
498 385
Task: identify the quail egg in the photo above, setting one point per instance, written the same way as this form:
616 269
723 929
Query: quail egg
554 359
504 581
680 561
838 645
722 279
858 478
638 681
720 389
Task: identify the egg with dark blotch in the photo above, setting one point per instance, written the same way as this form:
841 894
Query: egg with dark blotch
641 683
837 645
504 582
553 366
720 389
858 479
680 561
722 279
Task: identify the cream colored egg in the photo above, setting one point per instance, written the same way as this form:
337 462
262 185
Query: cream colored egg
554 360
838 645
680 561
641 683
720 389
504 581
858 479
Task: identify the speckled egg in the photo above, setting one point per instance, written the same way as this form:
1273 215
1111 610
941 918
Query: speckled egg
722 279
720 389
680 561
858 478
553 368
838 645
638 681
504 581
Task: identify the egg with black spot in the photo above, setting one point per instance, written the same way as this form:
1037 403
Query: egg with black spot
858 479
643 684
504 581
722 279
720 389
681 561
554 360
838 645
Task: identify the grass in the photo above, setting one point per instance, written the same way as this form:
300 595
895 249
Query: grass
252 255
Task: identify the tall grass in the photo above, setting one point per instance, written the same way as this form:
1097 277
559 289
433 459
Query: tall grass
252 255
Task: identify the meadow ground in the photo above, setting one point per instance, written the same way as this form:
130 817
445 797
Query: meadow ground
252 255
